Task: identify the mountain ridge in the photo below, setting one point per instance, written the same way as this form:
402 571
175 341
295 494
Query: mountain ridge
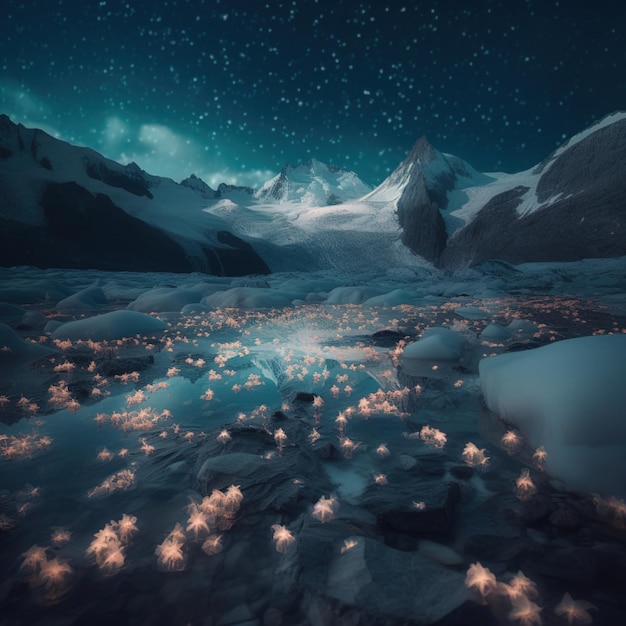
313 215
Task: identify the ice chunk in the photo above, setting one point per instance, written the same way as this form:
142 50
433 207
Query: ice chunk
250 298
165 299
568 397
89 298
109 326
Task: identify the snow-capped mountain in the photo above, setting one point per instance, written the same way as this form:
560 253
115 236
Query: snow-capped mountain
312 183
419 188
569 207
67 206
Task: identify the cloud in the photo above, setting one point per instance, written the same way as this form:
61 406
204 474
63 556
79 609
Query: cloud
161 150
23 107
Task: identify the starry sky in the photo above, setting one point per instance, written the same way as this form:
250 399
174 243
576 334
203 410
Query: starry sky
233 90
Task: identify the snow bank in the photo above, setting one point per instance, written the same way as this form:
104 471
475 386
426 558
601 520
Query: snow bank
250 298
109 326
165 299
569 397
89 298
15 351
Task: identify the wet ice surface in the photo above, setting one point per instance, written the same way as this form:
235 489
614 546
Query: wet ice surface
375 487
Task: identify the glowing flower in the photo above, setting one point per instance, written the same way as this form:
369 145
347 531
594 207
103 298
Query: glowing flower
324 509
224 436
511 441
525 611
197 522
481 579
474 456
53 574
348 544
576 612
33 559
126 527
525 487
433 437
283 537
212 544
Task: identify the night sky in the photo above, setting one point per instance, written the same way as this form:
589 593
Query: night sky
234 90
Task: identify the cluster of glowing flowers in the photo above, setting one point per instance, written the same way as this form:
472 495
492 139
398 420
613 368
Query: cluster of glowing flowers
23 446
127 377
52 574
392 402
283 538
120 481
325 509
433 436
253 381
27 406
61 397
474 456
525 488
141 419
135 397
109 544
520 592
216 510
229 351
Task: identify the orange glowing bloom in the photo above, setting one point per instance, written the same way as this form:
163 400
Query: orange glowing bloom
481 579
283 537
576 612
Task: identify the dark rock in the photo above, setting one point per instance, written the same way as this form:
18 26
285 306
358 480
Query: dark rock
46 164
305 396
494 548
119 366
327 451
128 178
396 512
387 338
423 228
404 585
289 481
534 510
566 518
568 564
462 472
584 216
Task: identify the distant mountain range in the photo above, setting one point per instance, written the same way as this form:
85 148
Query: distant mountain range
68 206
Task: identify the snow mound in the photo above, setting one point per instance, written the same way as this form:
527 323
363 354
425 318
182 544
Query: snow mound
568 397
109 326
165 299
15 351
250 298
